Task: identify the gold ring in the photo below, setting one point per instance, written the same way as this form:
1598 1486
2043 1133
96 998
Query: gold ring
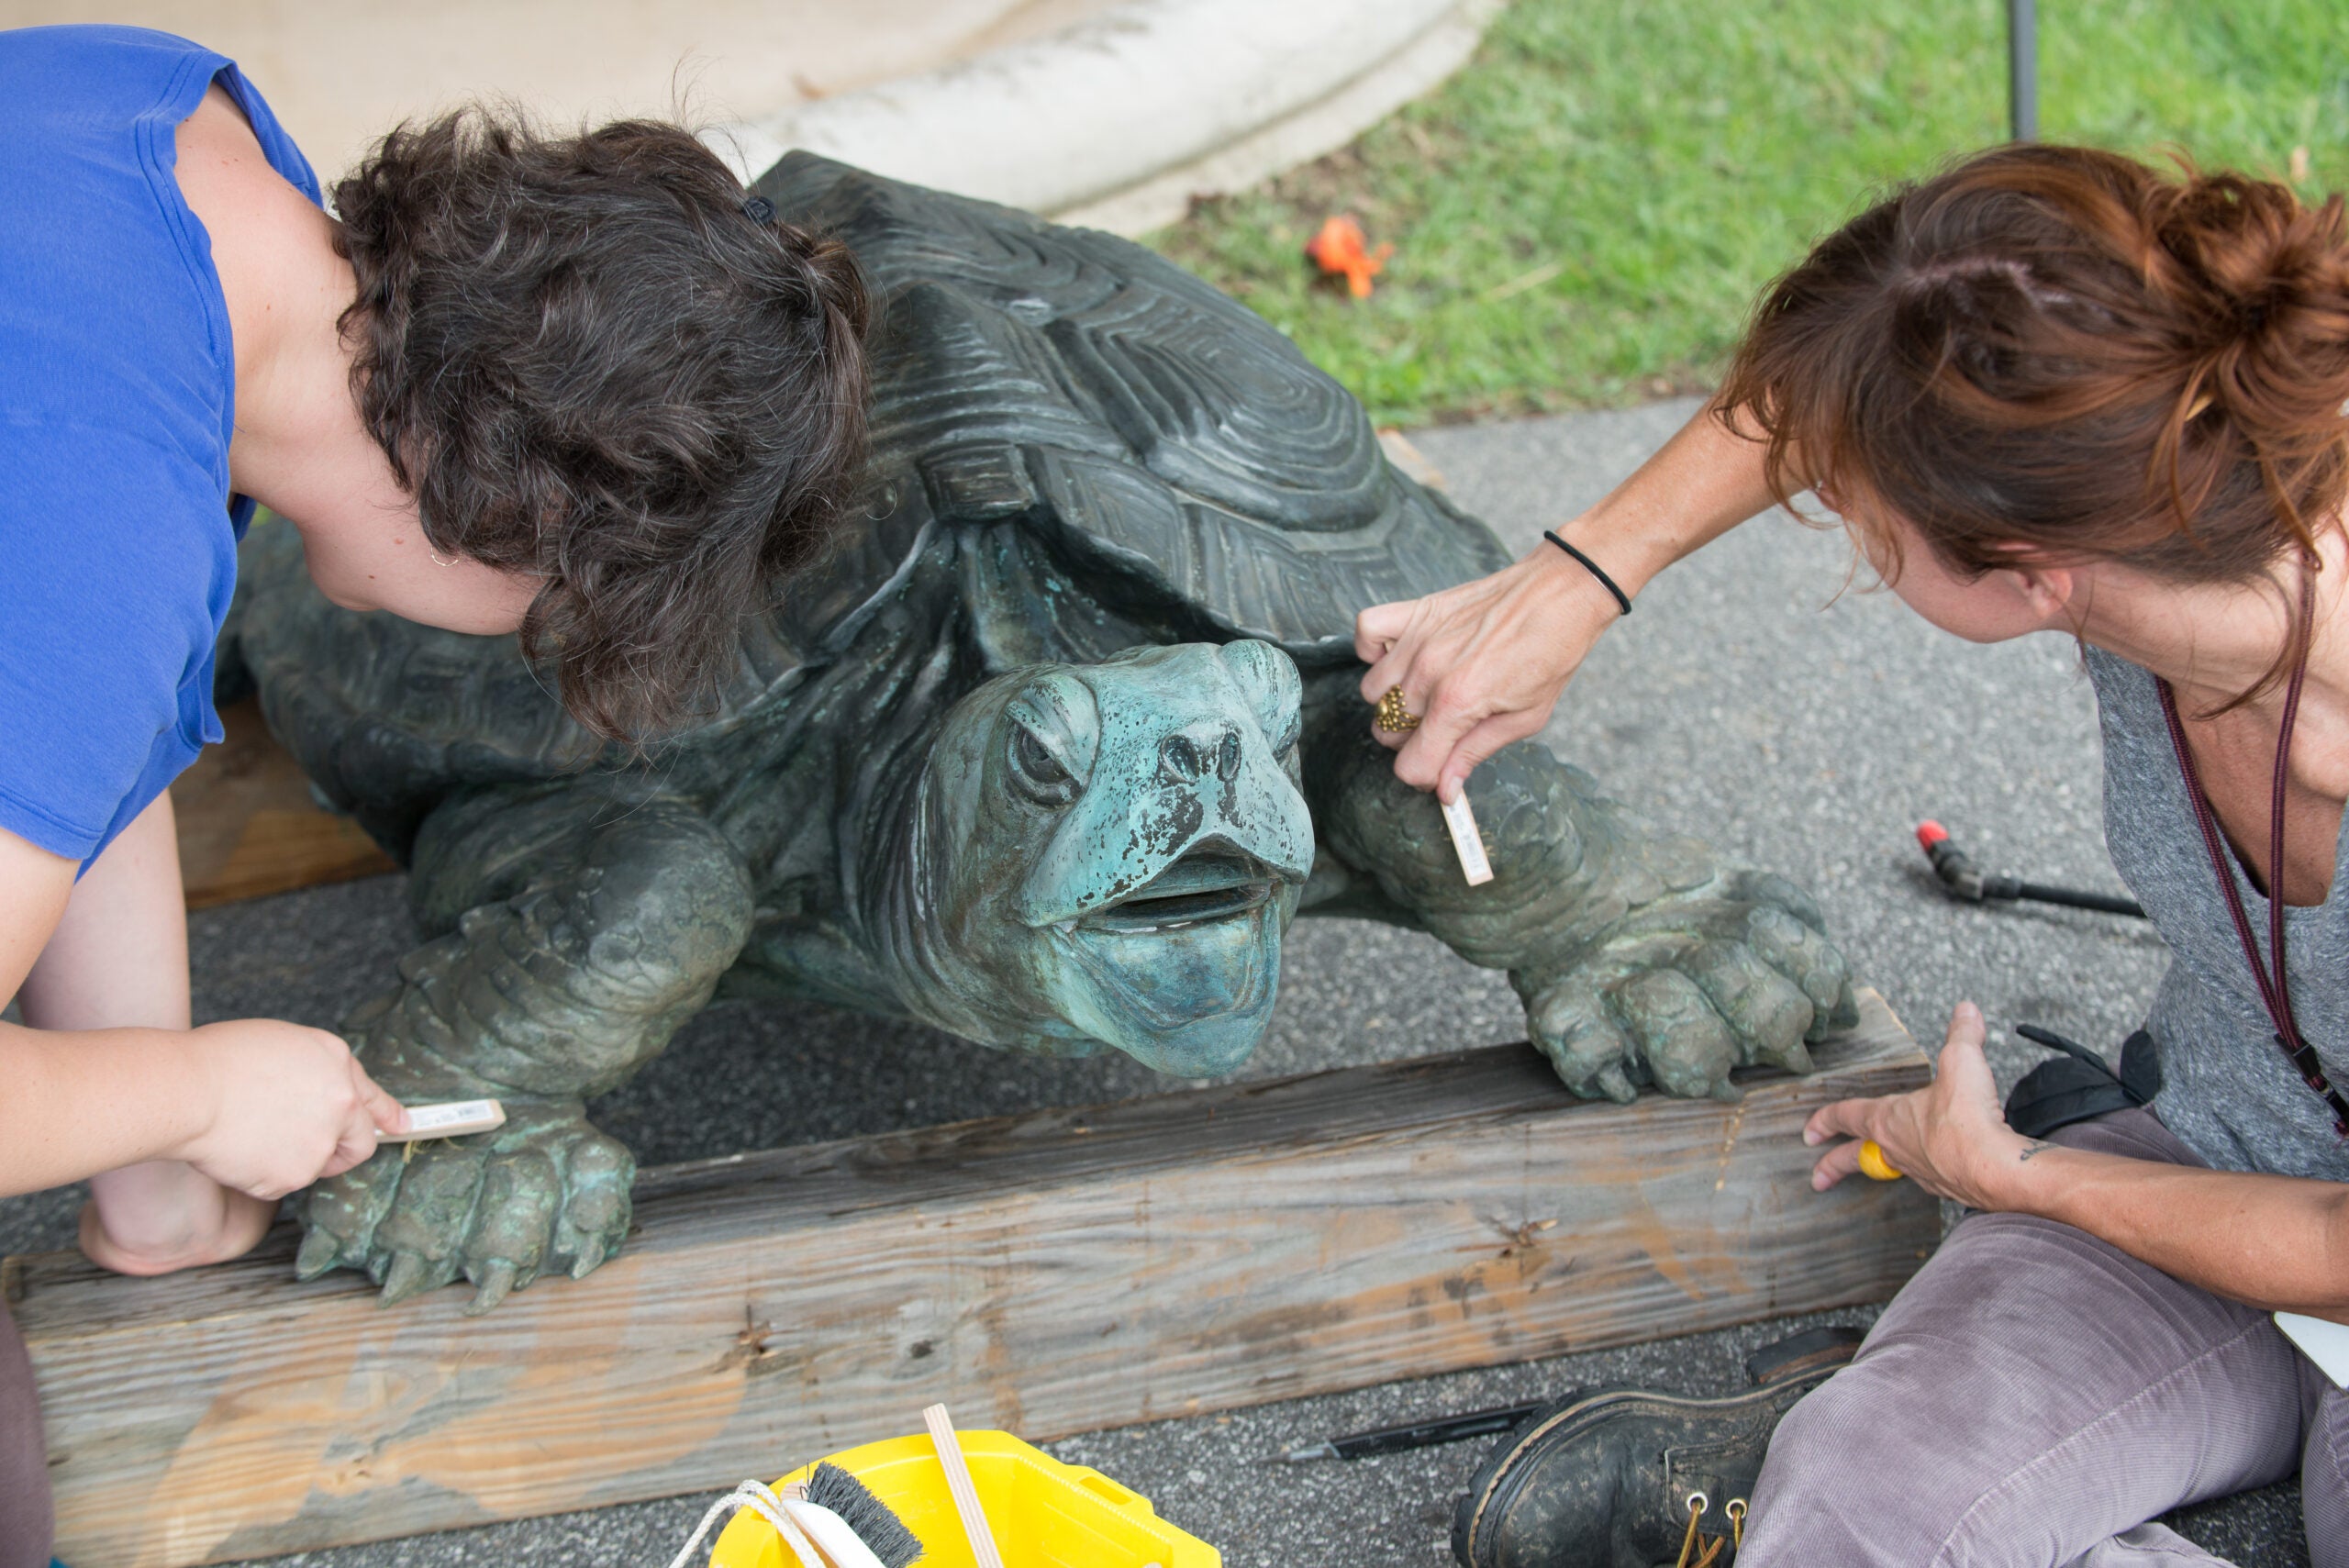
1392 718
1873 1164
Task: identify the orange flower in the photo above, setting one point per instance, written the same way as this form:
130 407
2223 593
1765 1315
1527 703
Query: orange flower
1341 251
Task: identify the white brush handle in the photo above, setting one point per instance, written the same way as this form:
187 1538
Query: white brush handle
958 1482
841 1547
753 1495
799 1545
453 1118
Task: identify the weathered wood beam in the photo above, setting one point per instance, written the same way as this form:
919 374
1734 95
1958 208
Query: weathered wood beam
249 827
1050 1274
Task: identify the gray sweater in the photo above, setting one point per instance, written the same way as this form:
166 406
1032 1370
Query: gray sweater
2226 1089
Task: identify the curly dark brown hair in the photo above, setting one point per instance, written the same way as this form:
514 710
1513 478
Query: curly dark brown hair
587 359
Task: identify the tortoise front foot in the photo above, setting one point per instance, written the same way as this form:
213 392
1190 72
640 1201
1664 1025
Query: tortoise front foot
547 1193
1680 991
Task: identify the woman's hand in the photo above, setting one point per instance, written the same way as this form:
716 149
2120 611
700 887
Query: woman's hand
1950 1137
1482 664
288 1106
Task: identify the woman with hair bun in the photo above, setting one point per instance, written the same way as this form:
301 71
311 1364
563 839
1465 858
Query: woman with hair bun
2047 389
582 387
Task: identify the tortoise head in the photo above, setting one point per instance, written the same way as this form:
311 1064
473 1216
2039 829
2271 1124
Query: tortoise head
1109 854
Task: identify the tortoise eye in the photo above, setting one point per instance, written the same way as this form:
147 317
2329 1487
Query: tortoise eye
1053 735
1041 776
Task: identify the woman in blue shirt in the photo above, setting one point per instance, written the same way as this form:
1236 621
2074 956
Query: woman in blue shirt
578 388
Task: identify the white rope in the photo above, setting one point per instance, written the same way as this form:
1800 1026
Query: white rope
755 1497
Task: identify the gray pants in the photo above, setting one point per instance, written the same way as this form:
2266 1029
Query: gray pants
24 1521
2033 1396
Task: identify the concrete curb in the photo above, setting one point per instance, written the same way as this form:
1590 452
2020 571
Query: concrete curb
1118 121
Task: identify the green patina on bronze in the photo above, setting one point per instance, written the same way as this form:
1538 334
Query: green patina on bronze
1046 756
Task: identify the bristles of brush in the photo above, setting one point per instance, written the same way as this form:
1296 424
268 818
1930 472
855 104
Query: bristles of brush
875 1523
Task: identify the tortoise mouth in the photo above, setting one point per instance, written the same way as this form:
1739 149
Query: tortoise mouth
1180 973
1207 885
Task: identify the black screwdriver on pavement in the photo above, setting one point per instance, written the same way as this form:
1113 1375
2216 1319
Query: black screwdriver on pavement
1418 1434
1959 875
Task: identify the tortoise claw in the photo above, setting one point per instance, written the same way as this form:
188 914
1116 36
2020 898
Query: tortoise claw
591 1256
1616 1083
408 1274
495 1283
320 1252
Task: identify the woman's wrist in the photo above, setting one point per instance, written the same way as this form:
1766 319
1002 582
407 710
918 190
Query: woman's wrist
209 1080
2021 1176
83 1102
160 1088
1599 574
1567 581
1706 481
1629 557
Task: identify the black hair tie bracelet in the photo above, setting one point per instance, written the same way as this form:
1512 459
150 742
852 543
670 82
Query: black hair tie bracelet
1593 568
758 210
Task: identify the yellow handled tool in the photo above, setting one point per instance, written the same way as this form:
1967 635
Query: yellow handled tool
1873 1164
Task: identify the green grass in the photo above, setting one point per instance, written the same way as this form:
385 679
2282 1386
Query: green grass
1584 215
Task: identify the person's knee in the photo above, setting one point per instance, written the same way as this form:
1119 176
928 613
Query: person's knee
1863 1470
1812 1448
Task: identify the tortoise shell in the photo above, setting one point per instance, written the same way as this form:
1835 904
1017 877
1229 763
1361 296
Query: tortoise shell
1075 447
1154 430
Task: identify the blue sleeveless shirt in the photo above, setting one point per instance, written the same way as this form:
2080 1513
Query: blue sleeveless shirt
118 400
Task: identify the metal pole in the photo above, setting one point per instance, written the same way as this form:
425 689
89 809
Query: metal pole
2022 69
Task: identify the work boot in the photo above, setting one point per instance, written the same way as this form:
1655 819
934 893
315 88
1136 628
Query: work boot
1632 1478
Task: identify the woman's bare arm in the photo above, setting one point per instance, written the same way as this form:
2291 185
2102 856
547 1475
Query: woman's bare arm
74 1105
1485 663
2280 1243
257 1105
2273 1242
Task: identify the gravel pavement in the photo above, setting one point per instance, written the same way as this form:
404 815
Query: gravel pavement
1753 700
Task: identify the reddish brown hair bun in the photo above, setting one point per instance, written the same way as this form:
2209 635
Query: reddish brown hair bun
2064 348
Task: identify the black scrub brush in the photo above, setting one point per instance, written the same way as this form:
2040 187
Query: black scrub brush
874 1523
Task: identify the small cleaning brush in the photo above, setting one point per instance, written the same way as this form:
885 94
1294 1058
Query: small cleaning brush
850 1526
830 1520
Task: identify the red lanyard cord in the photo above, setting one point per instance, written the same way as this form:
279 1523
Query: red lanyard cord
2274 987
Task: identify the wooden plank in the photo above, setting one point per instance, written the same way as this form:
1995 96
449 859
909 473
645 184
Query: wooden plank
1051 1274
247 825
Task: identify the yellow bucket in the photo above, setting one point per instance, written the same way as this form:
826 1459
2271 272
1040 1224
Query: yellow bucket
1045 1514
